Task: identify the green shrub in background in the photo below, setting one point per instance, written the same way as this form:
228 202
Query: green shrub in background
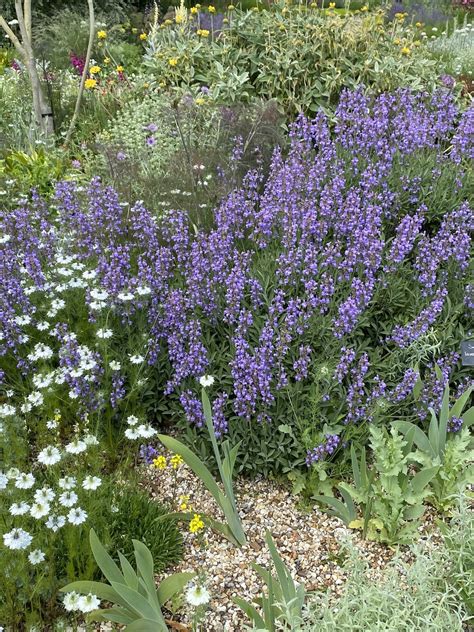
302 57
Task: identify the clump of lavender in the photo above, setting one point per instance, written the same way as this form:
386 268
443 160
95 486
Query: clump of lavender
455 424
148 453
324 449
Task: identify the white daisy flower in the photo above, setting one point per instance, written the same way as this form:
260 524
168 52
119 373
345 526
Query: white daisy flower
125 296
76 447
206 380
115 366
68 482
25 481
91 483
104 334
17 539
68 499
77 516
99 295
132 433
6 410
3 480
19 509
146 431
39 510
43 325
90 439
12 473
49 455
132 420
71 601
143 290
55 522
88 603
44 495
36 557
136 359
197 595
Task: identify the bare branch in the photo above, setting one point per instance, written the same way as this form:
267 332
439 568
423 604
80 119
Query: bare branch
27 15
11 35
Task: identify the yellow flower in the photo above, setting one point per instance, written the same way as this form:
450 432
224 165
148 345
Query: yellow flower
314 5
418 25
57 417
416 43
146 85
168 22
332 5
160 463
230 7
200 101
400 16
101 34
176 460
106 61
143 36
196 524
202 32
134 30
365 8
94 70
405 50
173 61
119 68
211 9
194 10
162 84
225 20
396 41
90 83
183 503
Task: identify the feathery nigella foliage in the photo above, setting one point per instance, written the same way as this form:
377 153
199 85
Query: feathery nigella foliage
349 253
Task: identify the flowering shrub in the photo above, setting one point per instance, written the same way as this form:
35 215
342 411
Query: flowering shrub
324 286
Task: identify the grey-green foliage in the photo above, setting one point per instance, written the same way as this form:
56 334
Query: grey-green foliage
456 50
284 602
136 601
450 452
434 593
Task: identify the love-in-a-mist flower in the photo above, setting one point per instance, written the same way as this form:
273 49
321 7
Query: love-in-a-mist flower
206 381
88 603
68 499
17 539
76 447
25 481
197 595
39 510
55 523
36 557
68 482
77 516
19 509
71 601
91 483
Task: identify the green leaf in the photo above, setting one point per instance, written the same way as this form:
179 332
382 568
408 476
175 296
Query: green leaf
286 582
459 404
433 433
147 625
350 506
172 585
116 615
131 578
443 421
106 564
251 612
138 603
420 438
421 480
468 417
338 507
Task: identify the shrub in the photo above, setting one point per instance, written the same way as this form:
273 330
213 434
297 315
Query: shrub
302 57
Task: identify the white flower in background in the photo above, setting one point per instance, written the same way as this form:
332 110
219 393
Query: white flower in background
125 296
6 410
19 509
77 516
23 320
132 420
43 325
39 510
97 305
64 272
55 522
89 274
71 601
206 380
49 455
99 295
5 238
25 408
35 398
91 483
36 557
115 366
104 334
43 381
52 424
132 433
143 290
90 439
68 482
17 539
57 304
78 266
3 480
44 495
88 603
136 359
13 473
41 352
146 431
76 447
24 481
73 283
68 499
197 595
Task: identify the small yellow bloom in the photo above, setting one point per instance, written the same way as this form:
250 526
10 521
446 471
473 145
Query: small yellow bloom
416 43
183 503
400 16
396 41
106 61
57 417
225 20
332 5
134 30
143 36
200 101
405 50
160 463
173 61
194 10
365 8
119 68
176 460
418 25
162 84
202 32
211 9
314 5
101 34
146 85
168 22
90 83
94 70
196 524
230 7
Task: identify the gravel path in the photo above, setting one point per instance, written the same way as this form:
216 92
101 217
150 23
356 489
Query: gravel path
308 542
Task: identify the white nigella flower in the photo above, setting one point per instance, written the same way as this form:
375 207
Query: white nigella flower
89 274
13 473
197 595
132 433
24 481
36 557
125 296
99 295
6 410
23 320
19 509
5 238
55 522
90 439
35 398
57 304
26 408
68 482
132 420
88 603
3 480
41 352
143 290
77 516
49 455
68 499
104 334
43 381
76 447
71 601
206 380
136 359
91 483
146 431
115 366
43 325
44 495
17 539
52 424
97 305
39 510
